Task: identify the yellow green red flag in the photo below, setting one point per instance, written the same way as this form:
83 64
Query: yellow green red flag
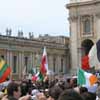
4 70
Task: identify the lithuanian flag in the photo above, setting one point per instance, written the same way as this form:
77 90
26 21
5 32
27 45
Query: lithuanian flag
4 70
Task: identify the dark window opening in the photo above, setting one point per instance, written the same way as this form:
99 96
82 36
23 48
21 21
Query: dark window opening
14 64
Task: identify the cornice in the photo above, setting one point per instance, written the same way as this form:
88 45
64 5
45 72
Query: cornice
82 3
34 44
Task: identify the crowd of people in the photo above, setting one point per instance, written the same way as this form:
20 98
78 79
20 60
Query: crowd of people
49 89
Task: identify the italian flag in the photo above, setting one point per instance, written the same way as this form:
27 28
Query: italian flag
43 68
38 77
4 70
85 78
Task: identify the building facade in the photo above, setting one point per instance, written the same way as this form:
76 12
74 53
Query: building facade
84 19
21 53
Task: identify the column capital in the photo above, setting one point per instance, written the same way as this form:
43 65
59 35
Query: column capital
73 18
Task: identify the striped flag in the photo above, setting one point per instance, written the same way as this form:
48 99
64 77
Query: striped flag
94 55
4 70
93 58
85 78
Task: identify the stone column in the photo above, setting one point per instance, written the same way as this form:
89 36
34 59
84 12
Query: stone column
59 63
36 58
73 46
18 74
52 58
50 62
33 57
20 70
97 33
56 64
30 61
98 26
22 62
65 64
10 58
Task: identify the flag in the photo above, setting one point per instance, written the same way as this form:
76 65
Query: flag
85 62
38 77
44 63
43 68
4 70
85 78
93 58
94 55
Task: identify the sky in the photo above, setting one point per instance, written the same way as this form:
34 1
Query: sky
37 16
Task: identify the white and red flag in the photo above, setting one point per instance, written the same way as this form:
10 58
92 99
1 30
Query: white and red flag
44 62
43 68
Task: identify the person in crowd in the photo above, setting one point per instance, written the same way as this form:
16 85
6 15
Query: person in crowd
73 82
70 94
61 84
83 89
24 89
52 83
98 93
41 96
14 92
29 84
46 82
89 96
1 94
54 92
